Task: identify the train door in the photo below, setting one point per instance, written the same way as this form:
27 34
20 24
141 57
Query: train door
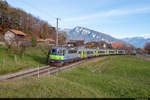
93 52
124 52
105 51
96 52
117 52
82 54
108 52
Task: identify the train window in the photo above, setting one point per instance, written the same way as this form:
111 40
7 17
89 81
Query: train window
64 52
79 52
88 52
60 52
53 51
69 51
111 51
120 51
72 51
101 52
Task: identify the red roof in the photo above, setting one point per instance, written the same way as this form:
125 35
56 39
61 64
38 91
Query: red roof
116 45
17 32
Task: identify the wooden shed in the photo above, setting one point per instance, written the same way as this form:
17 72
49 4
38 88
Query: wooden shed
14 36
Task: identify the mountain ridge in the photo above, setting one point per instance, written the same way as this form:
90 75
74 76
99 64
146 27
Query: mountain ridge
138 41
89 35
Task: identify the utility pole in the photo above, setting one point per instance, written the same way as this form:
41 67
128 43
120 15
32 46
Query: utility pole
57 19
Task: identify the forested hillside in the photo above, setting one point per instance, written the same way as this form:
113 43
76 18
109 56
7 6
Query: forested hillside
14 18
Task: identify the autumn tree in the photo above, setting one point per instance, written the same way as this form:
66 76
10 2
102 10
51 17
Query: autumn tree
12 18
3 15
45 30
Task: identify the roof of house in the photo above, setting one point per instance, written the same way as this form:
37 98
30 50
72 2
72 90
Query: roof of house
116 45
17 32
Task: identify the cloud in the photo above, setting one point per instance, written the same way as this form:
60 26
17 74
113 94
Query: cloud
110 13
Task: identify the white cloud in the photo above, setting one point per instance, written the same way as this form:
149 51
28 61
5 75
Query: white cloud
110 13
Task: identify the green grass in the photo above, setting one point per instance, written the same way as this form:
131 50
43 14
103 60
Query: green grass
10 64
106 77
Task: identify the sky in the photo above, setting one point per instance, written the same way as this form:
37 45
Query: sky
118 18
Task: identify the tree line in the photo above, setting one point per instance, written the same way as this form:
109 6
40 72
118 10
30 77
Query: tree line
14 18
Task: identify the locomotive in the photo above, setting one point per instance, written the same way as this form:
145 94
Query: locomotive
60 55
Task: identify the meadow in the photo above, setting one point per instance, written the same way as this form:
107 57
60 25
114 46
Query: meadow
10 62
104 77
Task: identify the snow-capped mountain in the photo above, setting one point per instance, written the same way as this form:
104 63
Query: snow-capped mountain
139 42
88 35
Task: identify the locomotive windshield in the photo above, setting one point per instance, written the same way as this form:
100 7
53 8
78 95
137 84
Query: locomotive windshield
60 52
57 51
53 51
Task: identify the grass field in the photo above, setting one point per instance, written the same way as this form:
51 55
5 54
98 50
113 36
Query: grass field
105 77
9 63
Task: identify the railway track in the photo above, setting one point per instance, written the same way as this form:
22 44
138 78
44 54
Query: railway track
38 71
46 70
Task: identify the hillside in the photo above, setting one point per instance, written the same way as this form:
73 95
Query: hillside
104 77
139 42
14 18
11 63
88 35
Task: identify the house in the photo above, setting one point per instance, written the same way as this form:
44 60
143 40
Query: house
14 34
46 41
105 45
118 45
14 37
75 43
92 44
101 44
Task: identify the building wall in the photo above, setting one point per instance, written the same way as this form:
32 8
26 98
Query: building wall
9 37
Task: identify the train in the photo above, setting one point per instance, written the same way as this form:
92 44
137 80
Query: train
58 56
